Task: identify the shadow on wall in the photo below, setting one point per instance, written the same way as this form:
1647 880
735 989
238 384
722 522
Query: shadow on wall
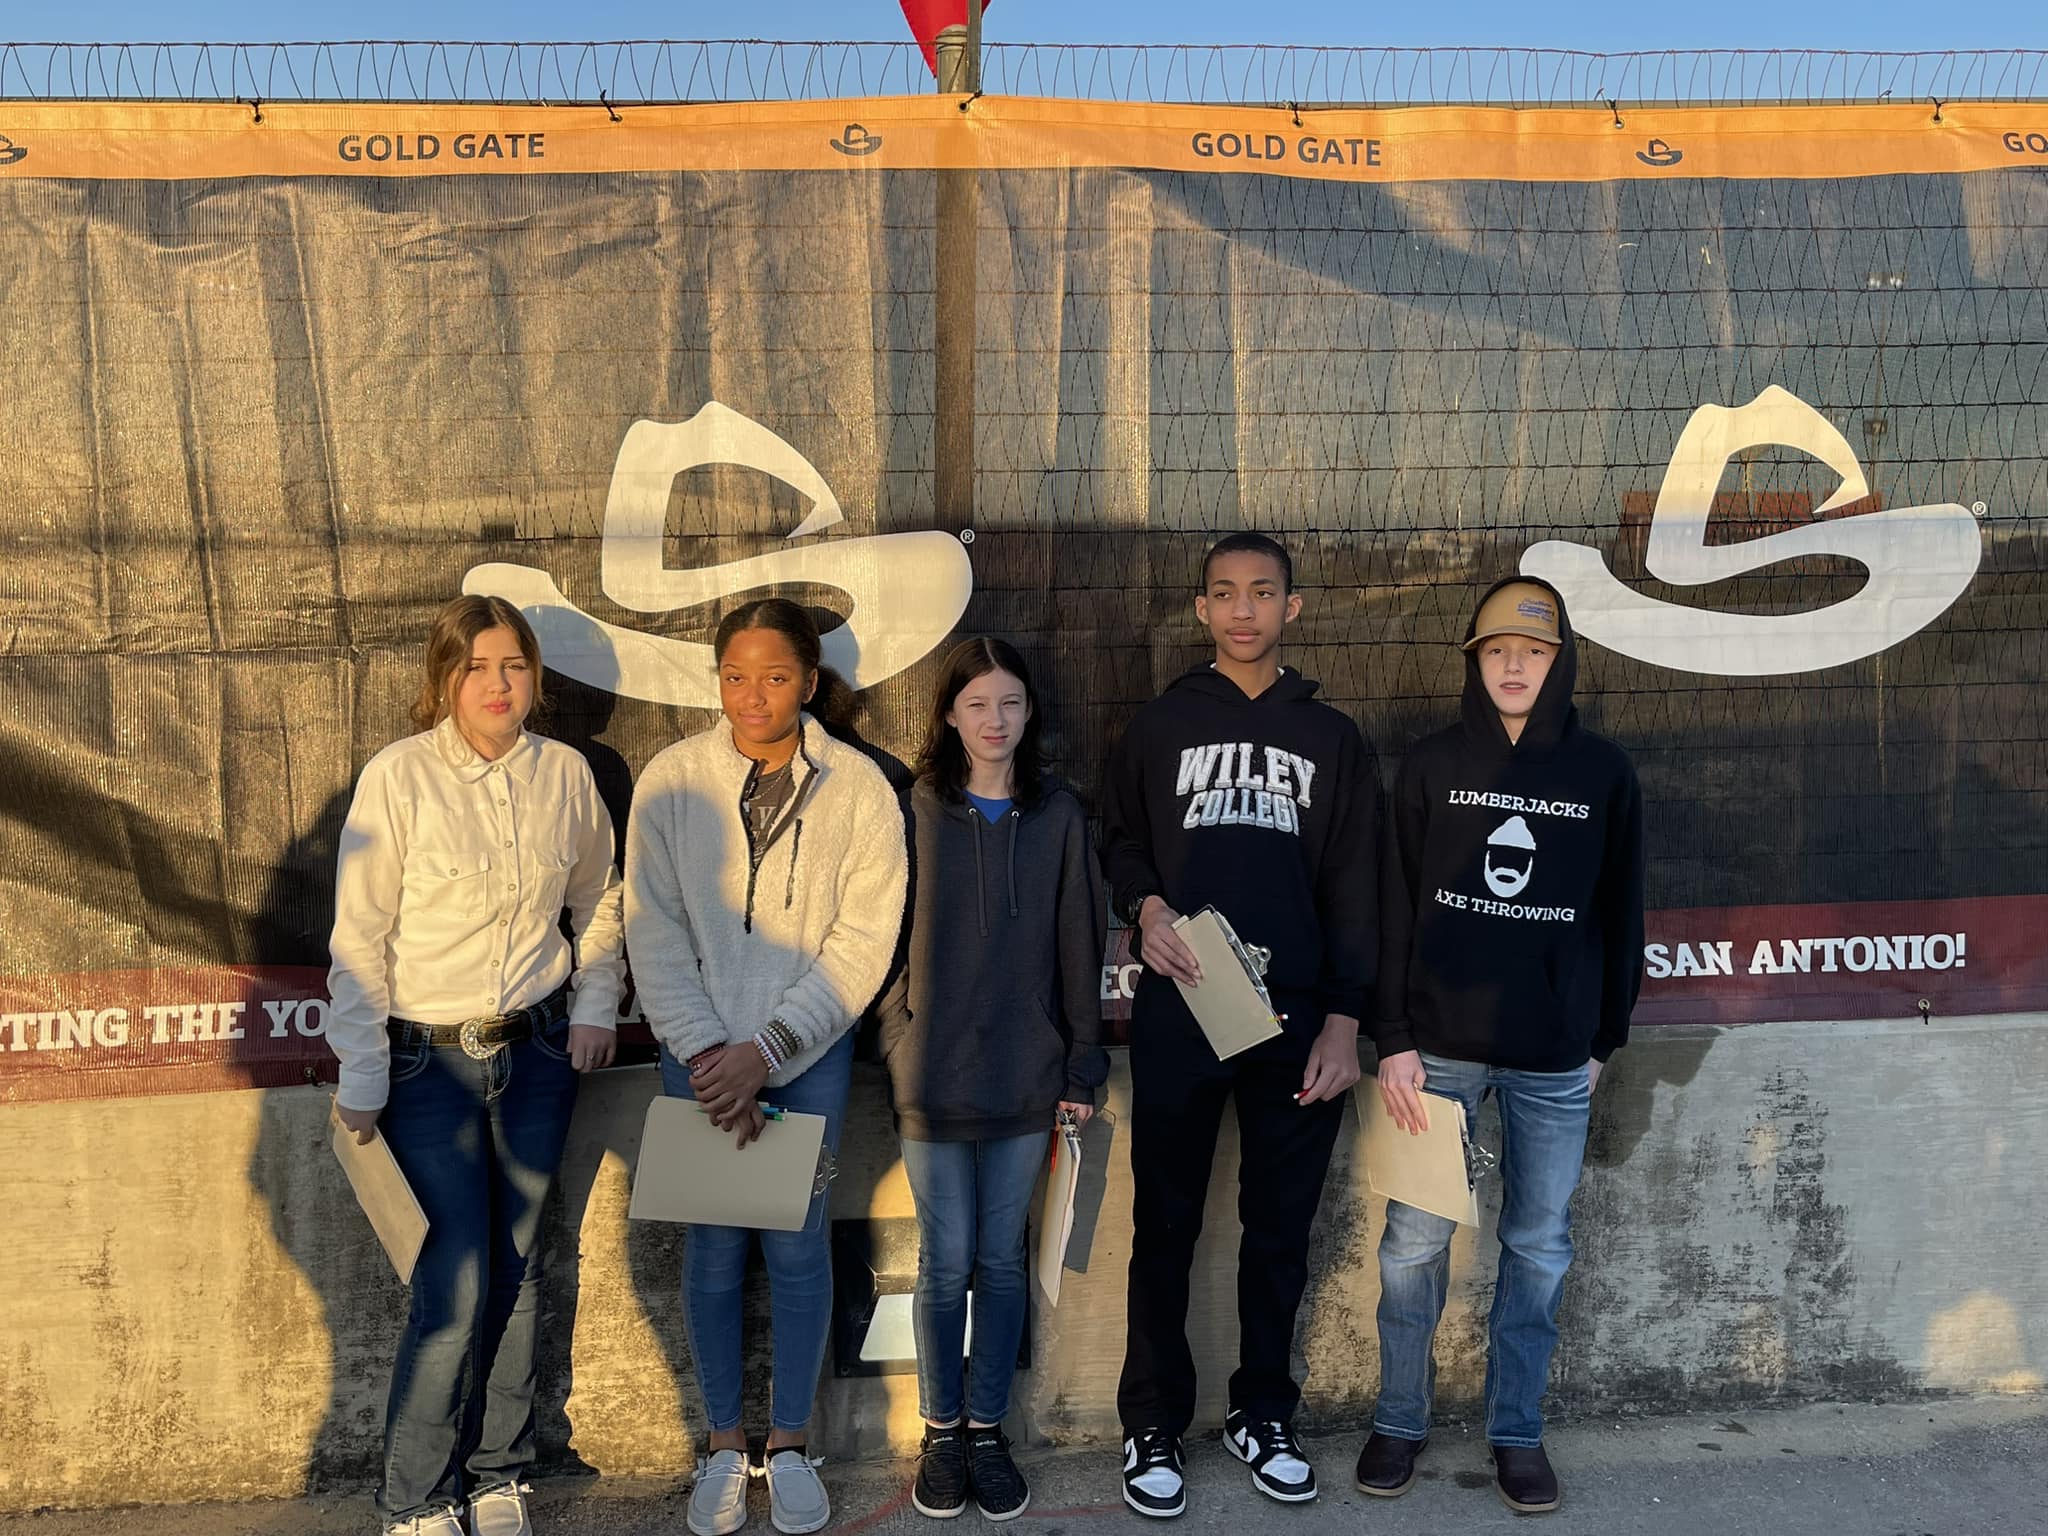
361 1306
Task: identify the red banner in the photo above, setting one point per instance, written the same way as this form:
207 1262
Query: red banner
1852 960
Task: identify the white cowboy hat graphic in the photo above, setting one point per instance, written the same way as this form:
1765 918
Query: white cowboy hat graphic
927 576
1920 559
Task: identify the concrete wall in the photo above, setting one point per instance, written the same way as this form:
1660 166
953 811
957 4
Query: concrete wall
195 1309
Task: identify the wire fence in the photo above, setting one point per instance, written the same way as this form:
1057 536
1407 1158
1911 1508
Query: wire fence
651 71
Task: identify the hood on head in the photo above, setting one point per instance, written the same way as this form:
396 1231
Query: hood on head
1554 714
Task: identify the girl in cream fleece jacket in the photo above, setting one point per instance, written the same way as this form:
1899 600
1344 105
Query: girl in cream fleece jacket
720 949
765 876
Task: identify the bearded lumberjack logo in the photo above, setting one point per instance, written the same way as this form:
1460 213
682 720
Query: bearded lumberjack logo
926 575
1919 559
1517 858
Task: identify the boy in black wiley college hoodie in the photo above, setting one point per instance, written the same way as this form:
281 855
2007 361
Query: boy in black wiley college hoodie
1511 954
1236 788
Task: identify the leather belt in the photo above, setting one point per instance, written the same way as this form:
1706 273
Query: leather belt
482 1038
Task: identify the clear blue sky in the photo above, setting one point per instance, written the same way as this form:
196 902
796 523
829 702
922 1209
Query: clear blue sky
1607 25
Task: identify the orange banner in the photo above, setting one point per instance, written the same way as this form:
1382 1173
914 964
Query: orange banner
173 141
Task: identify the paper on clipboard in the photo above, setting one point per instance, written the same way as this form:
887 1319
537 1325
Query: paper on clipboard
381 1190
1056 1217
692 1171
1430 1171
1231 1004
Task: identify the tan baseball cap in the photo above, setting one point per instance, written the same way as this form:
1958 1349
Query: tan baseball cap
1519 608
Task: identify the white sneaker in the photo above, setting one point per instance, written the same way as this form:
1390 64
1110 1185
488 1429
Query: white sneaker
1155 1478
718 1501
1280 1468
441 1522
500 1511
796 1494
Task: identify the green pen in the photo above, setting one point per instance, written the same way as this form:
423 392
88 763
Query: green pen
770 1112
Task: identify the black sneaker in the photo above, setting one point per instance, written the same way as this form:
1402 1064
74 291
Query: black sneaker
1524 1479
1280 1469
1386 1467
999 1488
941 1487
1153 1480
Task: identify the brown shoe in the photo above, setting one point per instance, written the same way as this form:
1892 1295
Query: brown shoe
1386 1467
1523 1477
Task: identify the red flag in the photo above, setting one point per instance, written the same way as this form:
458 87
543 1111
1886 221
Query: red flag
928 17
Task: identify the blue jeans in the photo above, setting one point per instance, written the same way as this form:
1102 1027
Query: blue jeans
1543 1144
799 1268
973 1208
479 1142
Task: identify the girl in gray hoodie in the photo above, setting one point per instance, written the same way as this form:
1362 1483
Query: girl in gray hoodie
990 1029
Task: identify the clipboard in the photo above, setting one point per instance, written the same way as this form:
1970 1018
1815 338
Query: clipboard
1231 1004
692 1171
1056 1216
381 1190
1432 1172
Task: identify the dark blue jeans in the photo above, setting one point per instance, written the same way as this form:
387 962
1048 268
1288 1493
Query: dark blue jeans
799 1267
1543 1143
479 1141
973 1206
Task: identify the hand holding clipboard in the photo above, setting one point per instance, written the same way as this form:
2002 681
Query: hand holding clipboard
1230 1000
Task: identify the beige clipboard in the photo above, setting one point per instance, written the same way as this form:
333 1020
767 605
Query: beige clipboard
692 1171
1231 1003
1056 1216
1429 1171
381 1190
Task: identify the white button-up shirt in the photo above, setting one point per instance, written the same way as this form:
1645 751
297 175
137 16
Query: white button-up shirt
448 896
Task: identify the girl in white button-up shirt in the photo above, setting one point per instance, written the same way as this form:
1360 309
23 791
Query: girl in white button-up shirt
461 1017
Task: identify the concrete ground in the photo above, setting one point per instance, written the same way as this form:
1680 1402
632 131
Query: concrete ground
1922 1468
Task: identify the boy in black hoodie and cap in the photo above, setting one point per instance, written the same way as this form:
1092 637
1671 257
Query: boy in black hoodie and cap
1236 789
1511 954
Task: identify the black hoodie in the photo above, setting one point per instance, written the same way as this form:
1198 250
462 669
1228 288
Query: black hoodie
995 1015
1265 808
1512 903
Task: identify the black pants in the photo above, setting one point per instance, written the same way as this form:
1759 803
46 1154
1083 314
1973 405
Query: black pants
1178 1089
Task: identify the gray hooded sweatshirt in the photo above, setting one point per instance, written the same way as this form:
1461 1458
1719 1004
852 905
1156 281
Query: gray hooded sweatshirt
995 1013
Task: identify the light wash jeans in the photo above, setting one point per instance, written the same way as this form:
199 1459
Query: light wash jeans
973 1206
1543 1143
799 1268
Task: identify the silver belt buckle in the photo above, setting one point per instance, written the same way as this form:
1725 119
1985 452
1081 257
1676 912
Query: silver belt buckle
472 1039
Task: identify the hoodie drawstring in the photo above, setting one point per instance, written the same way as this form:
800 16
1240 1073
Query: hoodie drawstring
1015 817
796 846
980 879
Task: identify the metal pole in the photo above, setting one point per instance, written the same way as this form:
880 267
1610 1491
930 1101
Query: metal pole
956 229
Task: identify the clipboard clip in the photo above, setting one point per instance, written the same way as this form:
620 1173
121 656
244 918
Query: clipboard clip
1253 957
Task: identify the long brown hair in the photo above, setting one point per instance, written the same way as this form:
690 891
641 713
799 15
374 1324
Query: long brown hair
943 758
451 640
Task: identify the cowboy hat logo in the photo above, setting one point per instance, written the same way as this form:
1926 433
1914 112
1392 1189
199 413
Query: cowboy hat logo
857 141
1919 559
926 576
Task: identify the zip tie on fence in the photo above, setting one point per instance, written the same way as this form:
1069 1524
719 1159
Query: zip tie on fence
1938 105
1614 107
970 101
604 102
1295 108
255 105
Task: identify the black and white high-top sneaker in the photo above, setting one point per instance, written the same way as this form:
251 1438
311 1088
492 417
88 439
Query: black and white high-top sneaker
1280 1469
1153 1468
